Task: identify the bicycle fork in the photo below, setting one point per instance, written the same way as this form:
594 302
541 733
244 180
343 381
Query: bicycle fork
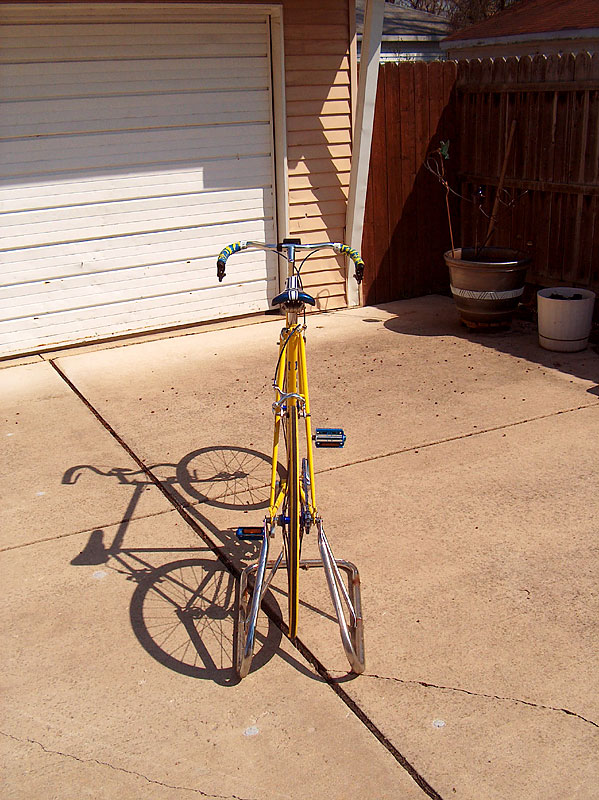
346 601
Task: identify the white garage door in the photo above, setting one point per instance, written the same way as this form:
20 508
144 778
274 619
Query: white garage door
131 154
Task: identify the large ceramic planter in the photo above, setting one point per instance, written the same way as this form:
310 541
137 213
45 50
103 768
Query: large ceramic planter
565 316
487 285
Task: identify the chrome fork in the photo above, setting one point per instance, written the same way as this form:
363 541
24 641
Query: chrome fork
346 601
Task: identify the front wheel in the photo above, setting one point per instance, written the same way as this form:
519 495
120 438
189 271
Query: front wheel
293 537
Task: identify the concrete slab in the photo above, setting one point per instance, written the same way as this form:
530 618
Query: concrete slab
117 681
465 455
473 746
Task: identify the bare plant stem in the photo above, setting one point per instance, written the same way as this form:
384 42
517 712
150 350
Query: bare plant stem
493 219
449 221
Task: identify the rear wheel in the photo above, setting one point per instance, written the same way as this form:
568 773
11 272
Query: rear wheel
293 538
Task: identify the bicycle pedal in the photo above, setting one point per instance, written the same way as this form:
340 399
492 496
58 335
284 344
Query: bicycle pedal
329 437
250 534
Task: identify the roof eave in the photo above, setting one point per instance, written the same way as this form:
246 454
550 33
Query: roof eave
563 35
411 38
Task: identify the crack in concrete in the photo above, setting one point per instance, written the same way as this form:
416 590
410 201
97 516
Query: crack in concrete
456 438
101 526
120 769
427 685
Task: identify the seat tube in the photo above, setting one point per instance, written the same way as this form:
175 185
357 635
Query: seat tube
303 390
291 321
292 366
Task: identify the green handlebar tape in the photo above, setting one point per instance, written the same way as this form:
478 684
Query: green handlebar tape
353 254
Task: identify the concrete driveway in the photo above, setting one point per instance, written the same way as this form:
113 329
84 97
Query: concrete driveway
467 494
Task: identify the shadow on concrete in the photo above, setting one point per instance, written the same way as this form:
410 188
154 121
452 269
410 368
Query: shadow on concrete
520 341
183 615
183 611
232 478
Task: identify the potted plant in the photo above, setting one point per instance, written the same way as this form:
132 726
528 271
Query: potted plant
486 282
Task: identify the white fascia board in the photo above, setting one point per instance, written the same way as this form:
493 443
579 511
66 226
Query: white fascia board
360 163
412 37
563 35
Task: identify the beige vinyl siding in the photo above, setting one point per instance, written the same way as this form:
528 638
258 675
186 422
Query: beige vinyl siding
319 135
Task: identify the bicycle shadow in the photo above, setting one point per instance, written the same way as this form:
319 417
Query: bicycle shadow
182 612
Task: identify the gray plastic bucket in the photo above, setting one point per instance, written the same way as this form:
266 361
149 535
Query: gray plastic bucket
565 324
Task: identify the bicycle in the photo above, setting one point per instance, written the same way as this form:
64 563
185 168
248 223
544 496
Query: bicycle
292 501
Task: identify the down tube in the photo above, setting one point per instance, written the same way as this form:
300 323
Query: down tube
303 380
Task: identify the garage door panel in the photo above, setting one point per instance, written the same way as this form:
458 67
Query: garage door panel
120 111
126 219
199 268
84 221
28 341
170 311
138 284
248 174
60 117
76 52
239 300
107 34
67 79
143 149
80 43
42 265
127 171
123 13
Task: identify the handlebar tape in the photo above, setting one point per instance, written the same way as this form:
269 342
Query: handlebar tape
356 258
224 255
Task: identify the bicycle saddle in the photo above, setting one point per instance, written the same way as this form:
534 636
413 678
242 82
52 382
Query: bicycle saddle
292 297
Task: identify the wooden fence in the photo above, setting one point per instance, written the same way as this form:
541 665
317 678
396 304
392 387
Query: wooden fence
405 226
550 201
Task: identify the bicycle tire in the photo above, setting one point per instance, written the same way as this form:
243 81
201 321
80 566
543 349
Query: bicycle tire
293 512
